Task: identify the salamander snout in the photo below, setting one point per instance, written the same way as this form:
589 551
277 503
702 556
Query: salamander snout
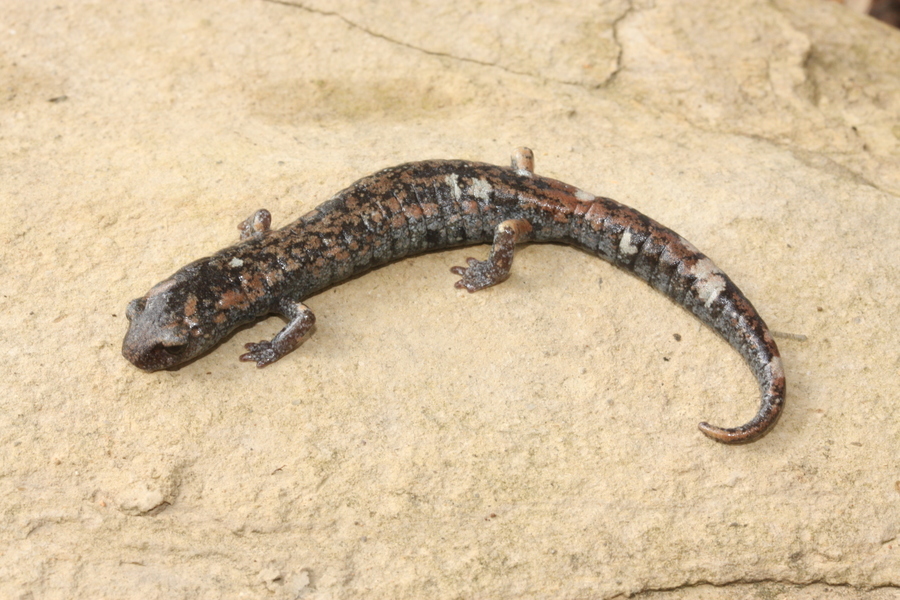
155 357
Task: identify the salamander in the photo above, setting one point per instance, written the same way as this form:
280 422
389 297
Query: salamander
430 205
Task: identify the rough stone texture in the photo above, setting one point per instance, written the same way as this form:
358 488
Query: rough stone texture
534 440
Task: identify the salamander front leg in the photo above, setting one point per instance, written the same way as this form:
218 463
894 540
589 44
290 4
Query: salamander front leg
485 273
301 320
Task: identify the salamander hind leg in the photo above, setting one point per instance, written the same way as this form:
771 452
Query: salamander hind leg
256 224
268 351
485 273
523 161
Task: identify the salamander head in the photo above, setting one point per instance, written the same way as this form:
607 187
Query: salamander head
163 330
183 316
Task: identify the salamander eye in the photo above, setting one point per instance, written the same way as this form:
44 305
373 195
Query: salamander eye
176 350
135 307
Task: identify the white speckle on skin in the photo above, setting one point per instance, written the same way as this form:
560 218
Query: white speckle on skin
481 189
776 366
236 262
710 282
626 247
453 182
585 196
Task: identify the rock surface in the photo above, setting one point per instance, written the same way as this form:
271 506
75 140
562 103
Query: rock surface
533 440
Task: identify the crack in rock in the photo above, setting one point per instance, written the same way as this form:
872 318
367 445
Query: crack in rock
743 583
381 36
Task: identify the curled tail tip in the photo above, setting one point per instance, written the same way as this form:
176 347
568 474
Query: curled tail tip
759 426
736 435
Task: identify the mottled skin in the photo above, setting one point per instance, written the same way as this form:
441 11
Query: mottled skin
429 205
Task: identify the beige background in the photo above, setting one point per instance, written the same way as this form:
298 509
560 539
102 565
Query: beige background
534 440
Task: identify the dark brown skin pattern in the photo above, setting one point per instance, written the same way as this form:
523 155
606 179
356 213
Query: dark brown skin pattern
429 205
